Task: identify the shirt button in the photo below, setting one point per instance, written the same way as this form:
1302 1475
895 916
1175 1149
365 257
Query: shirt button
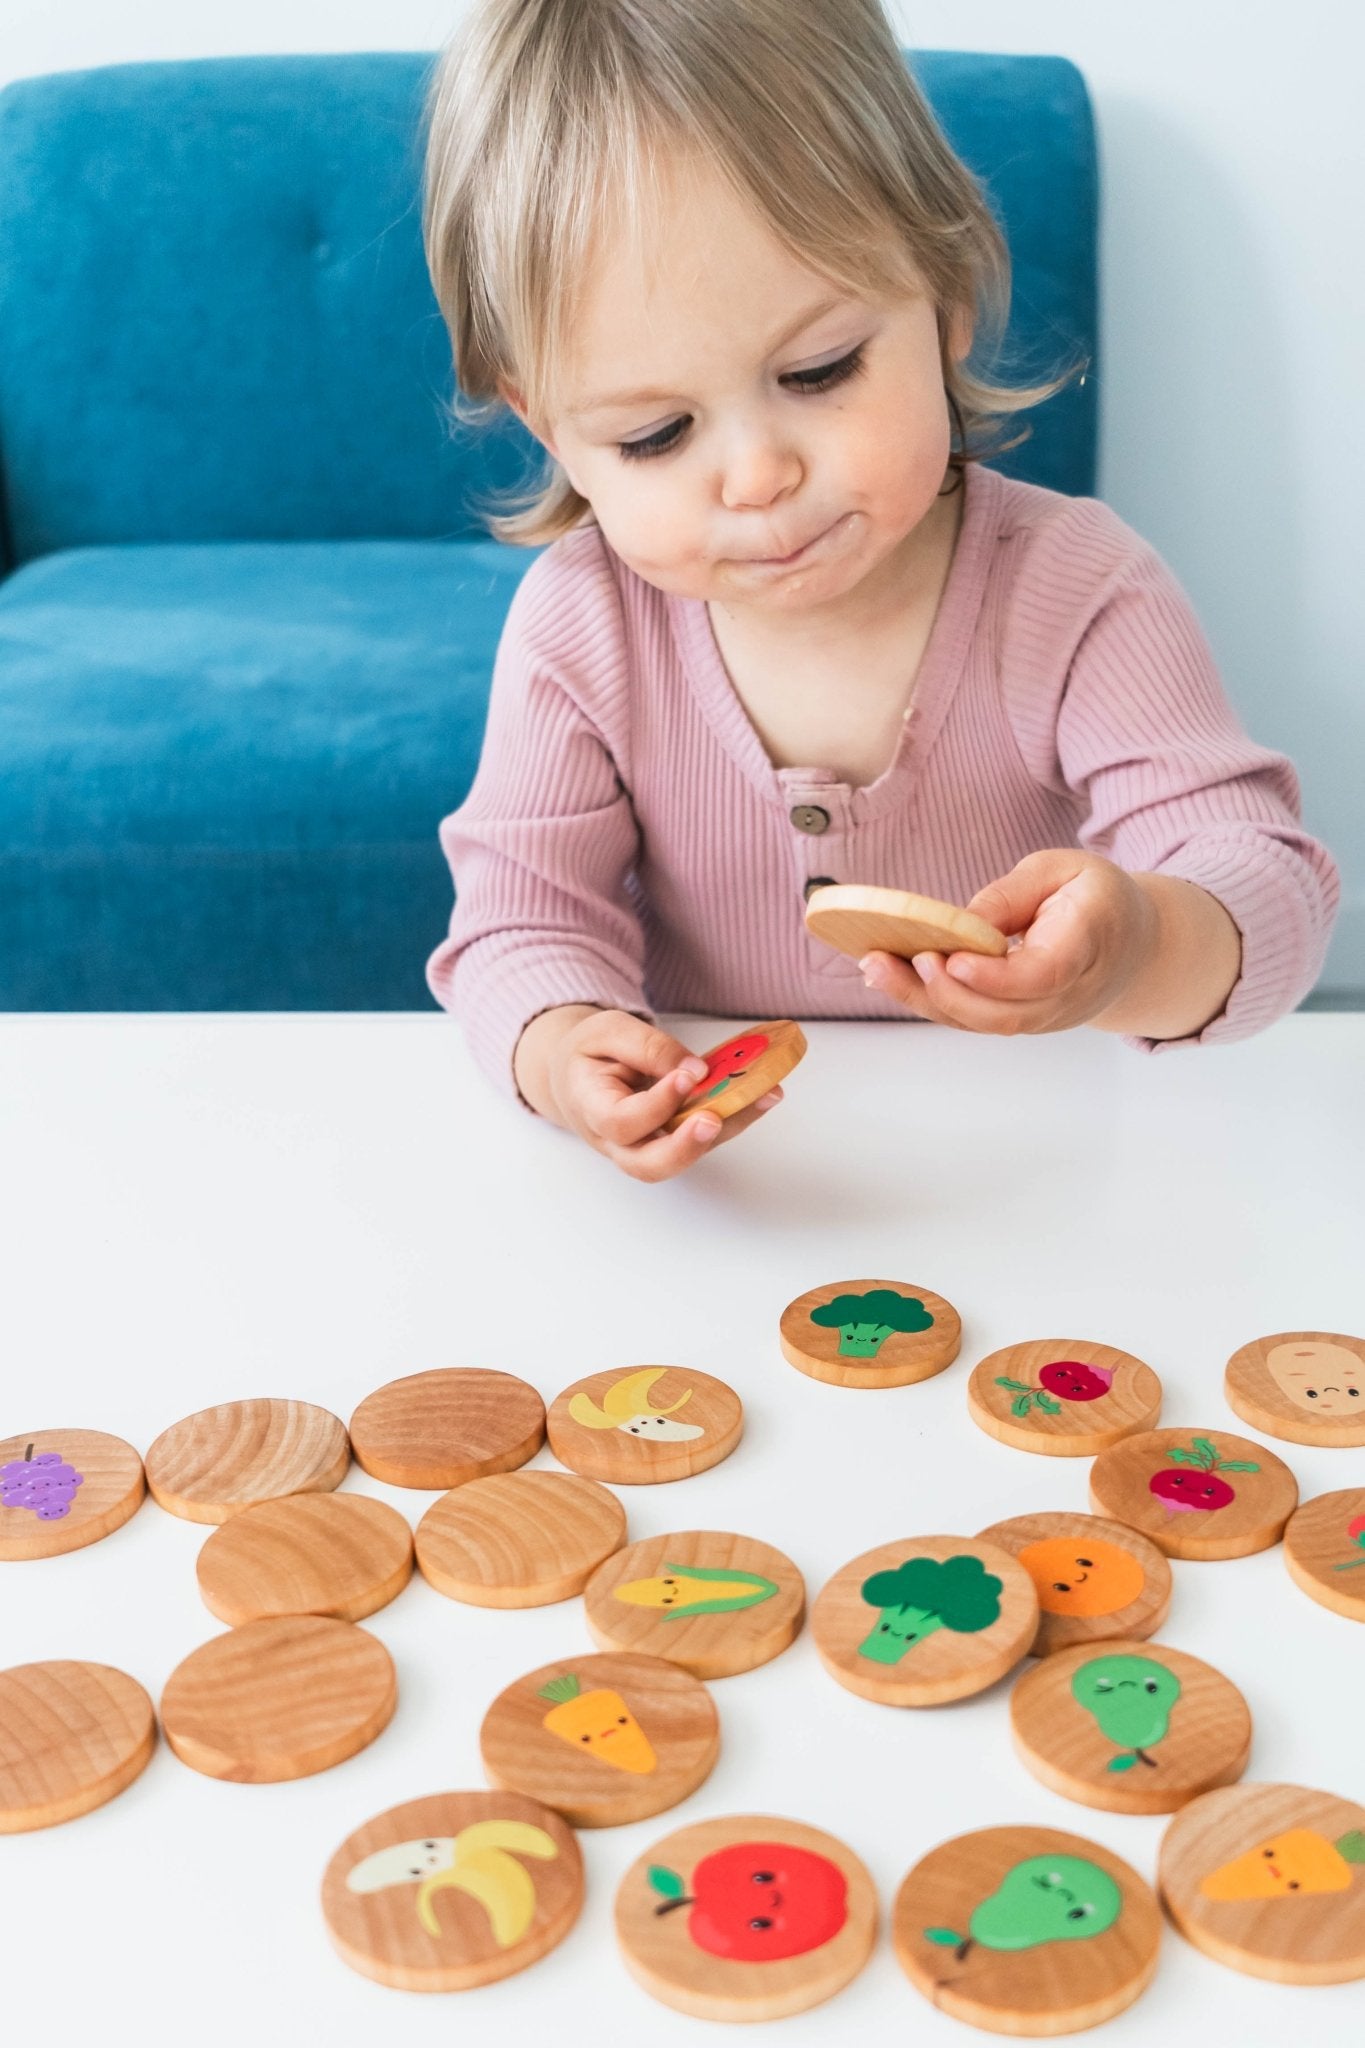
810 818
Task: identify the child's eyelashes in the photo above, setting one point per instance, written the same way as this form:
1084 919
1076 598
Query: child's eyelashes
822 378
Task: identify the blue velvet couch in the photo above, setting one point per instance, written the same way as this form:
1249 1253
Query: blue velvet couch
247 608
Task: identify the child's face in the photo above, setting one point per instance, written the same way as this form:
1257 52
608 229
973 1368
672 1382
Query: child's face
749 465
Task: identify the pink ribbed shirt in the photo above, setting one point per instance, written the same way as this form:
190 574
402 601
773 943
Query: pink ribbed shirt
628 842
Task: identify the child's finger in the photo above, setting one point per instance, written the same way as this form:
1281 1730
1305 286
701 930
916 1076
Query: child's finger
894 977
624 1115
673 1152
733 1125
1012 901
951 1003
644 1049
1029 973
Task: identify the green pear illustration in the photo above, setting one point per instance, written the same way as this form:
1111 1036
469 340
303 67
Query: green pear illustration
1131 1698
1044 1898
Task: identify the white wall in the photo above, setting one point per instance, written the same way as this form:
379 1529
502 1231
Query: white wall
1233 306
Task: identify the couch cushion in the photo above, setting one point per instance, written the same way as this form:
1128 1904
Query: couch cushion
226 763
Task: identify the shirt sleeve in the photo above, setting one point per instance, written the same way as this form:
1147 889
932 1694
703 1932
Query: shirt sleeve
1173 785
542 849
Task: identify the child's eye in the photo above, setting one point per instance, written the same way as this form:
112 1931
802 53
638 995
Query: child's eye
823 378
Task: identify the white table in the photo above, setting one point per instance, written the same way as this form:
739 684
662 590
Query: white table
194 1209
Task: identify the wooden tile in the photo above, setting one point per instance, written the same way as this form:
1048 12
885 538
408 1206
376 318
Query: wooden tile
279 1699
339 1554
713 1602
1026 1931
870 1333
856 918
741 1070
1306 1386
746 1918
520 1539
1196 1493
1063 1396
926 1620
641 1428
220 1460
1130 1727
1324 1550
1095 1580
63 1488
1270 1879
71 1737
444 1428
454 1890
602 1739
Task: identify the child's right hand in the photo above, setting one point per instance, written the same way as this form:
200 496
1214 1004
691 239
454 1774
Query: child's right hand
616 1081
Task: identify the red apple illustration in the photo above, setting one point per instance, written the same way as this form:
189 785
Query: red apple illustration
1076 1382
1191 1491
757 1902
728 1061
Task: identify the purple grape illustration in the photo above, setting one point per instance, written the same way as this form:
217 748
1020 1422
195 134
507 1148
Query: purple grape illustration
46 1485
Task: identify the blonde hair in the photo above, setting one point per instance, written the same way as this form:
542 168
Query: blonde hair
543 121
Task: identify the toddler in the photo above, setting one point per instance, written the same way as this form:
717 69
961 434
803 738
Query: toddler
788 629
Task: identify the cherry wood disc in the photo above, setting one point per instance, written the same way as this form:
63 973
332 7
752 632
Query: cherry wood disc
454 1890
1026 1931
713 1602
218 1461
856 918
520 1539
602 1739
444 1428
1324 1550
1196 1493
1095 1580
1063 1396
71 1737
63 1488
644 1426
746 1918
741 1070
930 1619
279 1699
870 1333
1270 1879
1307 1386
1130 1727
340 1554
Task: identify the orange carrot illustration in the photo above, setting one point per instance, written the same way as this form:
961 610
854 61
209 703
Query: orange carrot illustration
599 1722
1300 1860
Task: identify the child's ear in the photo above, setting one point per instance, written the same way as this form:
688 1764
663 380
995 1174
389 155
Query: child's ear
960 332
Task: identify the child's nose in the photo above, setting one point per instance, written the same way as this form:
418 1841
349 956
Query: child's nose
760 469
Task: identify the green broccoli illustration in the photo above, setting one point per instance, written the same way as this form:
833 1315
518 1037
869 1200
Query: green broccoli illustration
865 1321
922 1595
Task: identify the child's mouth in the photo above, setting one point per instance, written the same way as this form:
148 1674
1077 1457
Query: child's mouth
798 554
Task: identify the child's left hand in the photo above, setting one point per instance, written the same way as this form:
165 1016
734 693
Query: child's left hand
1090 931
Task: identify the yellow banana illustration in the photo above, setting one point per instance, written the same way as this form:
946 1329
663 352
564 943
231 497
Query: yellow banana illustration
626 1406
480 1860
499 1883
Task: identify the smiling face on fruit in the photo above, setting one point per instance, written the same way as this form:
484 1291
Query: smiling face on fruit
756 1902
1072 1381
1322 1378
1188 1493
1082 1576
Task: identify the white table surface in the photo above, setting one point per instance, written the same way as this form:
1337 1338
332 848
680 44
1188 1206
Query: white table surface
196 1209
